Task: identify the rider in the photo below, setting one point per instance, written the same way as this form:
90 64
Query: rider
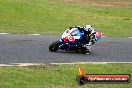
89 36
88 33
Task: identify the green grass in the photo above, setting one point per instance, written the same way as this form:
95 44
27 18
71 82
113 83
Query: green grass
58 76
54 16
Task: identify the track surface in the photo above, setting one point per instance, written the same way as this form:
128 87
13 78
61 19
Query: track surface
34 49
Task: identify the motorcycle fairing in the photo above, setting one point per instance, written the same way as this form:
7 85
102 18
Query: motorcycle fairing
72 35
98 36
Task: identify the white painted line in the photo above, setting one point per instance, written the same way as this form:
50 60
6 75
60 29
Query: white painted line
26 64
34 34
3 33
103 36
21 64
30 64
94 63
4 65
129 37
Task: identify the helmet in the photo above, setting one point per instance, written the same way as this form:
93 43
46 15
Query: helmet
88 27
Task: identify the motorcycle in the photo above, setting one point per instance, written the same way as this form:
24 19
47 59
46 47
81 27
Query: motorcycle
72 40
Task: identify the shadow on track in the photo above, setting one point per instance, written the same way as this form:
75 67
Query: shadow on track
92 53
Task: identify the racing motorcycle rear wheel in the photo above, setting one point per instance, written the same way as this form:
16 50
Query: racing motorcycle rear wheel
84 50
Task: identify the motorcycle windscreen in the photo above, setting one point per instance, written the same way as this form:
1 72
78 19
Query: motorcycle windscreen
76 33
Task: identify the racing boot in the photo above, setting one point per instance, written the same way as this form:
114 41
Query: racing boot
88 47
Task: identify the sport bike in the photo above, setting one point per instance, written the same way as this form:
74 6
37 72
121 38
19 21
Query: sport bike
74 40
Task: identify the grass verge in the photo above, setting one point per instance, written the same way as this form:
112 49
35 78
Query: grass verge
58 76
54 16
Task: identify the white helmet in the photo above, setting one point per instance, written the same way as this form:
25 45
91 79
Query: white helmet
88 28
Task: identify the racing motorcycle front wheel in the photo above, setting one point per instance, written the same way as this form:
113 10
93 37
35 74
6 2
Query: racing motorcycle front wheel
54 46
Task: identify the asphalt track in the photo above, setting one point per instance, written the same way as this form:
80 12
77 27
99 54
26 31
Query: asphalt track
15 48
